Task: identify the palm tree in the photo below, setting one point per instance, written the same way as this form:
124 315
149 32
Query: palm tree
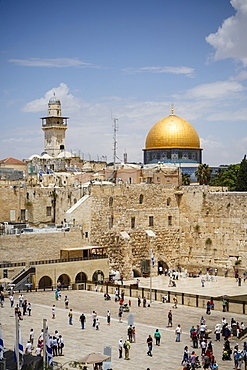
185 179
203 174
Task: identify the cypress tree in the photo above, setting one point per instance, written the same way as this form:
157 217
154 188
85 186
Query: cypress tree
241 182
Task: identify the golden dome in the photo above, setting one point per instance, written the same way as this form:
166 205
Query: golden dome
172 132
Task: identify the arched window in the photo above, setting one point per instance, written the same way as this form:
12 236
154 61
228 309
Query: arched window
168 202
141 199
110 202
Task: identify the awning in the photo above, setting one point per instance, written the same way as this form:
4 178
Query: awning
124 235
150 233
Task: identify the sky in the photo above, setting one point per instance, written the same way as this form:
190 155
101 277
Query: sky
128 60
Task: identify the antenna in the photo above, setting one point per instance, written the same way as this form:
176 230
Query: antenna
115 129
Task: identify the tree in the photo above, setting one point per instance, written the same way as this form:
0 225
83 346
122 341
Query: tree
226 176
241 182
203 174
185 179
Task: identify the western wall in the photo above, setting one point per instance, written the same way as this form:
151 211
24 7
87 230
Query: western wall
191 226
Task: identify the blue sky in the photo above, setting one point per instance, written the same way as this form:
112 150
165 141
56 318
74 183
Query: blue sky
126 59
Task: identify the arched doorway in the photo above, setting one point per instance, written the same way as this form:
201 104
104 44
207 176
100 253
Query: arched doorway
63 281
45 282
81 277
98 276
164 267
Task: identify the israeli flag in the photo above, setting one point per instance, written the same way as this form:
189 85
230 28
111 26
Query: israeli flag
1 343
20 346
152 258
48 349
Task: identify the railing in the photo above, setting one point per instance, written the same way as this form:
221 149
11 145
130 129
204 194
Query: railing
60 260
57 260
3 265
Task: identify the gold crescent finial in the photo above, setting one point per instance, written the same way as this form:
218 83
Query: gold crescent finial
172 110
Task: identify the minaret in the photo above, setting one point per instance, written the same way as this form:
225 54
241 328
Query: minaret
54 127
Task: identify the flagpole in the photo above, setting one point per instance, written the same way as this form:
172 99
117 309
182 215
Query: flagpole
151 265
17 340
44 342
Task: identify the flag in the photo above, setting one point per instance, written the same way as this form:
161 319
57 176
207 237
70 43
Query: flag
48 348
152 258
1 343
20 346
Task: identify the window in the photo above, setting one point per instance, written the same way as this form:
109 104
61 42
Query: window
48 211
23 215
110 202
180 154
141 199
130 180
158 179
168 202
169 220
27 195
133 220
86 234
110 222
75 200
151 220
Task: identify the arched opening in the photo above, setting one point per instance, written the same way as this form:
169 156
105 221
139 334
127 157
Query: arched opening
98 276
136 273
45 282
63 281
81 277
110 202
141 199
162 267
168 202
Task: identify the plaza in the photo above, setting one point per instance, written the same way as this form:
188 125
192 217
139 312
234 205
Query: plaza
80 342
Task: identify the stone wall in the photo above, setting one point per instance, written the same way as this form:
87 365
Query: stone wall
193 227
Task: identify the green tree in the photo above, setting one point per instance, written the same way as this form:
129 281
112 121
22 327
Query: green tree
226 176
185 179
241 182
203 174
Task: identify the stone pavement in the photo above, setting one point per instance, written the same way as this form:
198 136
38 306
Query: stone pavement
80 342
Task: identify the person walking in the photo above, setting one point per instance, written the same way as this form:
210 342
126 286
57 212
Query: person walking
54 346
60 345
97 324
170 318
70 317
120 348
82 319
157 337
66 302
29 308
178 333
150 345
53 311
175 302
120 314
108 317
94 316
31 337
127 349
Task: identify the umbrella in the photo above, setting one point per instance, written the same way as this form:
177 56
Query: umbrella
5 280
93 358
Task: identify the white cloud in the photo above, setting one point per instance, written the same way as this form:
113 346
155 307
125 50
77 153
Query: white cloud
234 116
215 90
57 62
166 69
240 77
230 39
69 101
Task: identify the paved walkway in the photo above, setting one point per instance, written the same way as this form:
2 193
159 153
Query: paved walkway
81 342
